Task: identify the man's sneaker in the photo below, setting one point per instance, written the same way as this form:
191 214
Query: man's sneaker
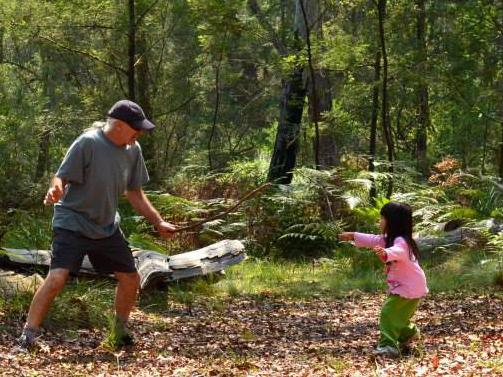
412 339
118 335
386 351
27 339
125 339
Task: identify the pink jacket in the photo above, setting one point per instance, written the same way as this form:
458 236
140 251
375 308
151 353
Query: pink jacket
404 276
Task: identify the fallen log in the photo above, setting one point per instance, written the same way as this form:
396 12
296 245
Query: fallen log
460 235
154 268
454 237
12 283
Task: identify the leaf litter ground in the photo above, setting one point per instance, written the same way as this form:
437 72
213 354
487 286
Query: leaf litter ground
266 336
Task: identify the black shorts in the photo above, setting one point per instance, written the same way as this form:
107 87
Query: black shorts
107 255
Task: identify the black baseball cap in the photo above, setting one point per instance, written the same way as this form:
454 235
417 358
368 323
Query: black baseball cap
132 114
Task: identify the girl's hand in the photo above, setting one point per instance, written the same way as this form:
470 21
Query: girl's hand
381 253
347 236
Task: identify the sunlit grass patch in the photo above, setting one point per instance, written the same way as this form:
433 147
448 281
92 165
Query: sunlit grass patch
296 279
15 308
349 272
83 304
337 365
464 269
494 365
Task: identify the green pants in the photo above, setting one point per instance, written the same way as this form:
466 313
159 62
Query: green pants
394 322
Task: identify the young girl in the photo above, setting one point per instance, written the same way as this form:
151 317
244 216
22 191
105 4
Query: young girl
405 278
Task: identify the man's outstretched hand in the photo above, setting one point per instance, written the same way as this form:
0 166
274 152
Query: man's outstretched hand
166 230
54 193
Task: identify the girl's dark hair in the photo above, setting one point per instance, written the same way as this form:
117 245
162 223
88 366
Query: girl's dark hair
398 218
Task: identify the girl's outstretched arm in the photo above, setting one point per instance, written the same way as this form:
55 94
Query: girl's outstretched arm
362 239
347 236
368 240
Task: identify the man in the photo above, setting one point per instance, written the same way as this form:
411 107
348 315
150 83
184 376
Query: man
101 165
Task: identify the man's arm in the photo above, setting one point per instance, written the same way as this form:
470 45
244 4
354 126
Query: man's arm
55 192
142 205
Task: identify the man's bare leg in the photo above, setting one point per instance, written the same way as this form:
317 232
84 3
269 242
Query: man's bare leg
125 294
42 300
125 299
45 295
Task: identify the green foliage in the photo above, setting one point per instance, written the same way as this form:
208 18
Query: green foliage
461 213
367 218
495 245
53 86
193 291
15 307
487 200
84 304
145 242
177 207
311 239
28 231
116 336
271 214
243 176
234 181
497 213
81 305
464 270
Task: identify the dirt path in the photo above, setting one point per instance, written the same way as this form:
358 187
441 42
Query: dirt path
463 336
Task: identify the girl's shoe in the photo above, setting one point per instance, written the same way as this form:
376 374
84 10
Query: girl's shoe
386 351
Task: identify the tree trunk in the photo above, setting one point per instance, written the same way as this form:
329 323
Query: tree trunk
1 43
215 112
131 50
291 108
314 103
373 122
43 155
328 147
424 110
292 100
287 136
319 89
44 136
384 106
500 87
143 94
501 150
484 149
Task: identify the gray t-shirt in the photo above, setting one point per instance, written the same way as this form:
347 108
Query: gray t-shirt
98 172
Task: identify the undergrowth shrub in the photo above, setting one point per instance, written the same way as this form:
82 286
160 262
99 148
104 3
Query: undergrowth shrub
177 210
82 304
310 239
239 177
242 176
297 220
29 230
